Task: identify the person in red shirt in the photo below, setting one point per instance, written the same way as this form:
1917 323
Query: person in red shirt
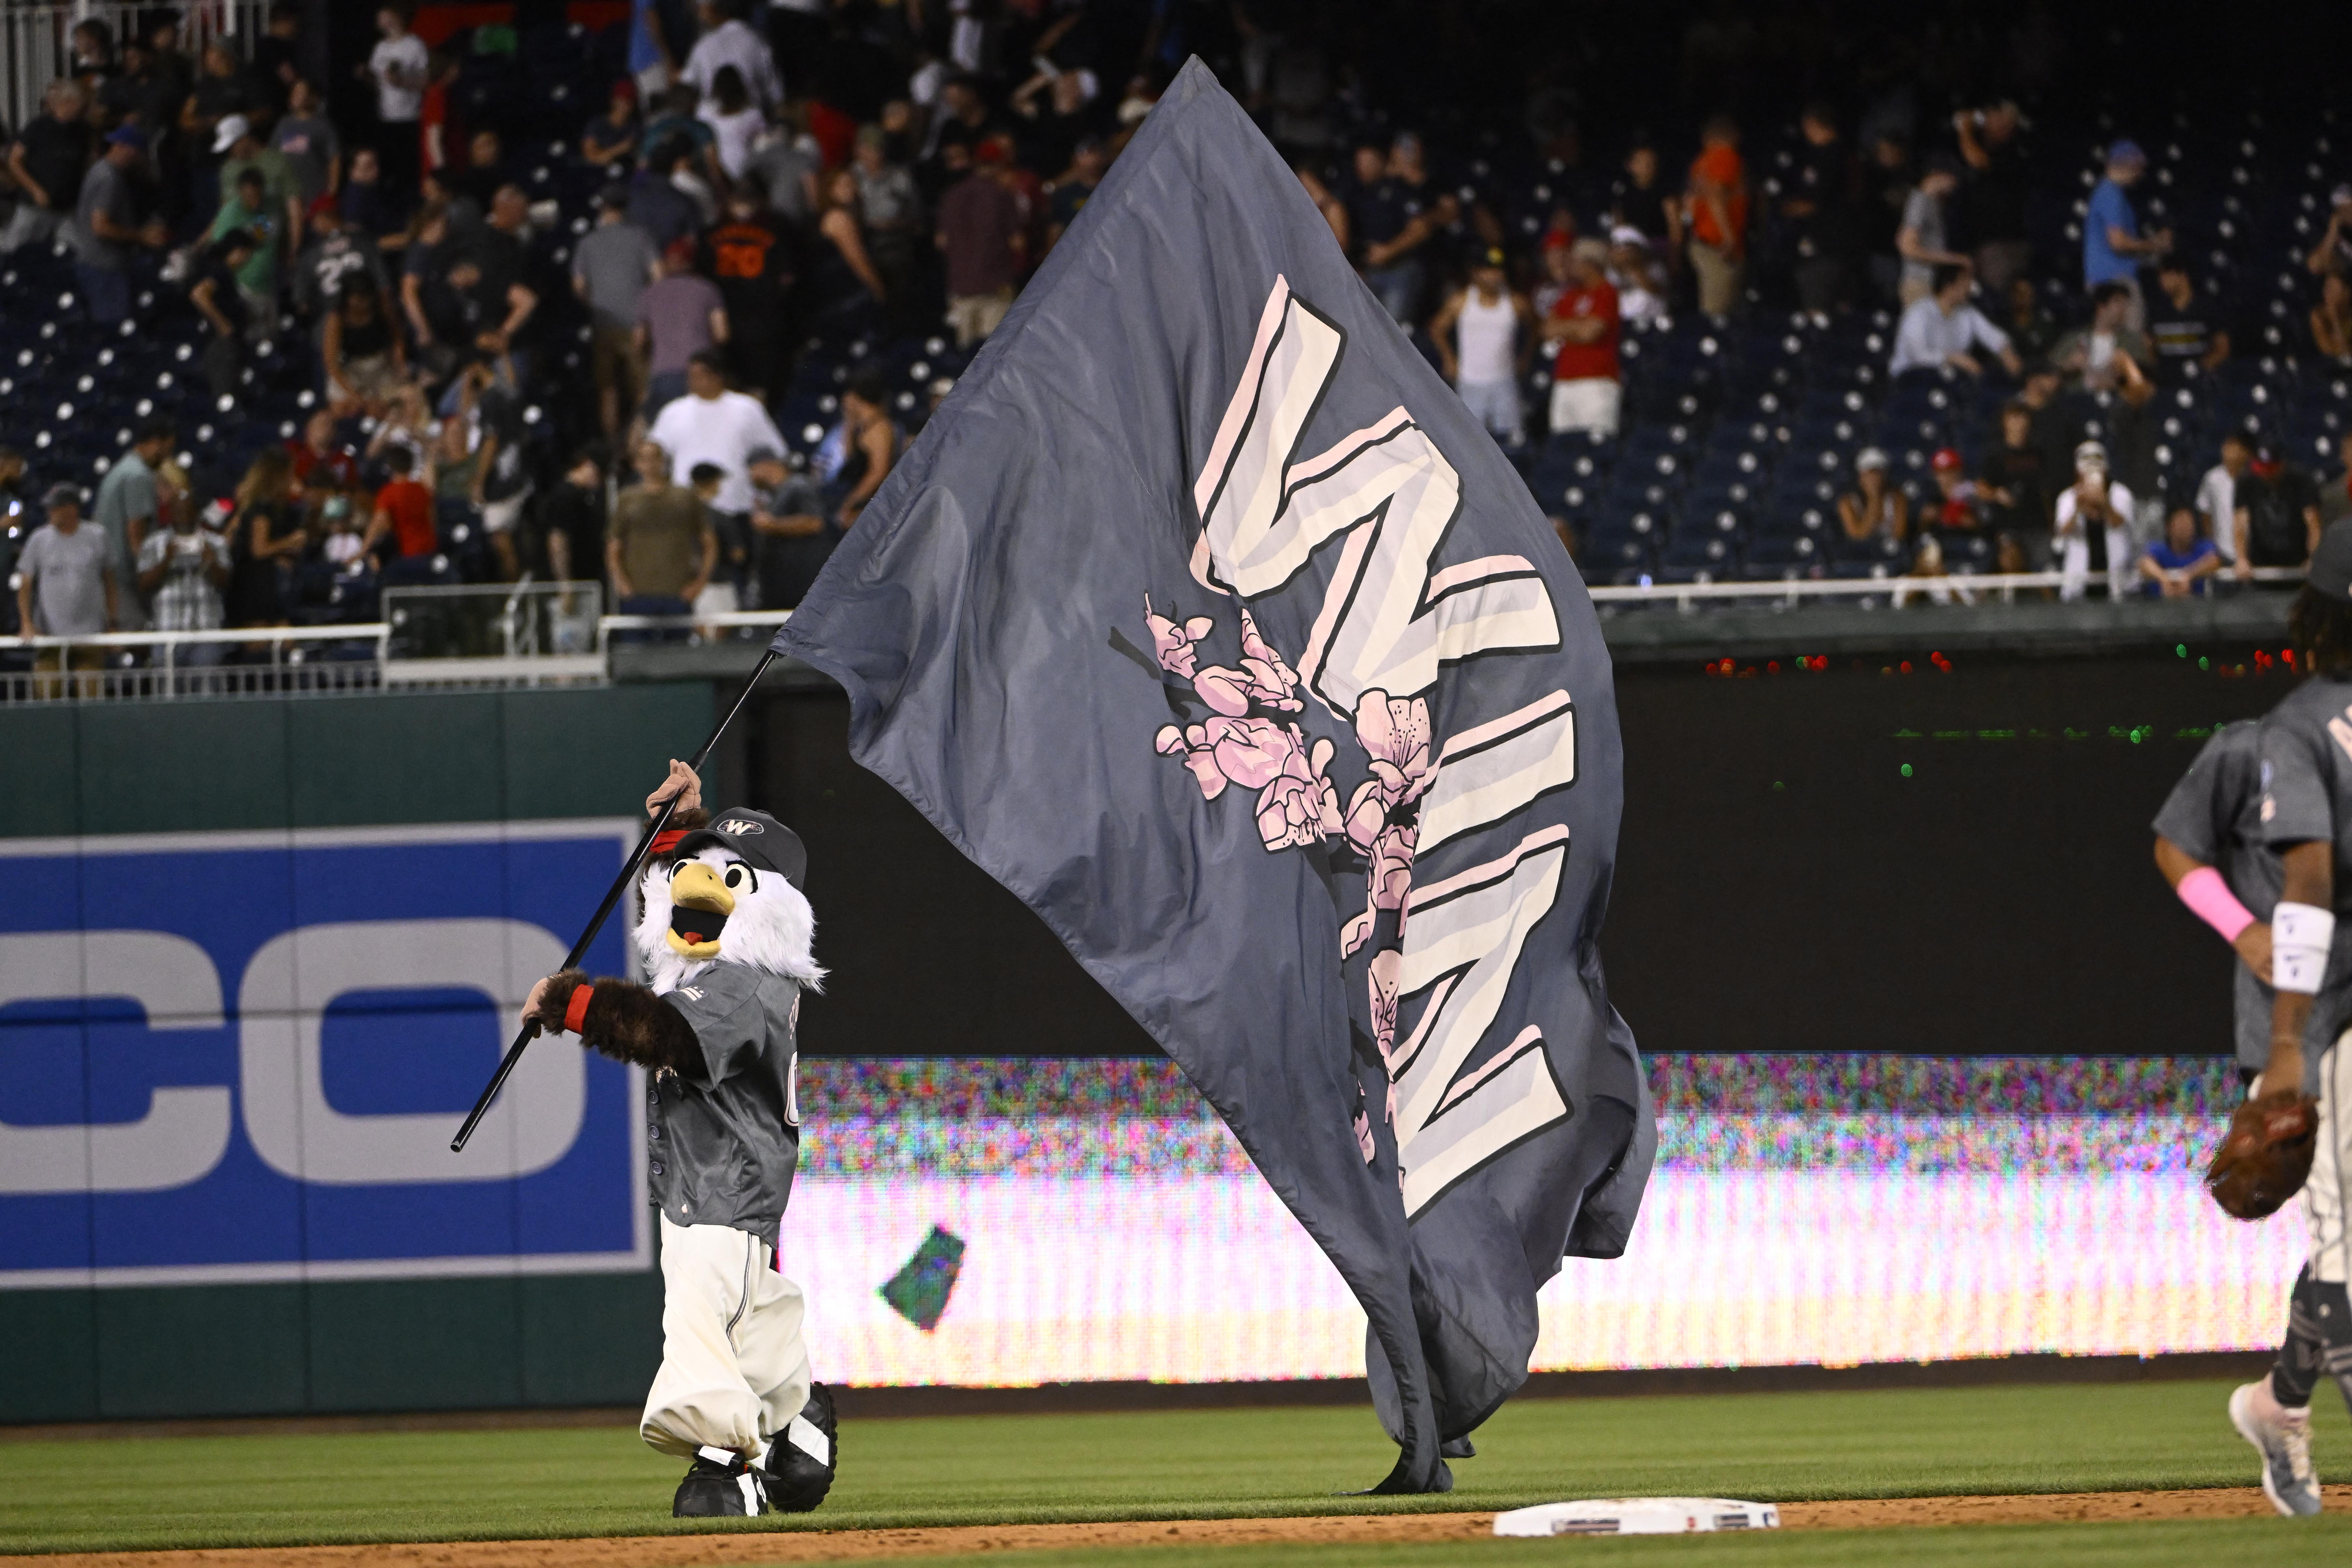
403 509
1718 221
320 462
1583 327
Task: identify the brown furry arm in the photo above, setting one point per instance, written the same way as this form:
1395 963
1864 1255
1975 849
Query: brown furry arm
625 1021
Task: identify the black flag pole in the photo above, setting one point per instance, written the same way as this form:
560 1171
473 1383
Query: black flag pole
529 1030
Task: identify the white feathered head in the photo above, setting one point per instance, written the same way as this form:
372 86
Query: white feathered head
731 892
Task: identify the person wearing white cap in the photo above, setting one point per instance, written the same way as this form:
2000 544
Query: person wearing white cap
2334 251
1874 509
239 147
2094 503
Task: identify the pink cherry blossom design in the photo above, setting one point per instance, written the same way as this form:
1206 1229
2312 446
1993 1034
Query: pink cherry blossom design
1226 690
1394 732
1363 1133
1367 814
1384 972
1192 744
1171 644
1298 806
1253 752
1390 877
1271 679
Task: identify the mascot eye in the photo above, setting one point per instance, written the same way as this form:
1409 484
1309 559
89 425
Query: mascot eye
734 876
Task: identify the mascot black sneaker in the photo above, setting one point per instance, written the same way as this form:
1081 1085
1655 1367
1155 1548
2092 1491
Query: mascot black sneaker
800 1463
722 1484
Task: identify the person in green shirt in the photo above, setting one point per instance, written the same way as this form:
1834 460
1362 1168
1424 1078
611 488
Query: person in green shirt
240 148
248 208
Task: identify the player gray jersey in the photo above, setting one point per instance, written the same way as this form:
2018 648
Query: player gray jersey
725 1137
2307 783
2215 813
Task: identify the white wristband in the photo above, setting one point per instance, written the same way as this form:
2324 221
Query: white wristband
2301 936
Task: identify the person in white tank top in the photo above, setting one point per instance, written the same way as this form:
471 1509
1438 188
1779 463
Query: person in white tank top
1481 348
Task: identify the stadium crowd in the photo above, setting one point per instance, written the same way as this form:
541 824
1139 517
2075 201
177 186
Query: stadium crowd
660 305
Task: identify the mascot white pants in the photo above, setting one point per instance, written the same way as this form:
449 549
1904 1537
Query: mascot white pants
735 1371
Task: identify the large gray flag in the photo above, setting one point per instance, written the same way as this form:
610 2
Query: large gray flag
1204 618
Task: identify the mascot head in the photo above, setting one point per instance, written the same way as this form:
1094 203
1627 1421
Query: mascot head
732 891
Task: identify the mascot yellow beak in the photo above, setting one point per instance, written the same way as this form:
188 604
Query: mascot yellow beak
699 905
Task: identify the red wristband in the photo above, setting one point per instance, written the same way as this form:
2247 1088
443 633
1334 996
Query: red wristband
575 1012
666 842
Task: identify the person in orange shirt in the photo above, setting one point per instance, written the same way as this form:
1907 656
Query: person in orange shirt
1718 222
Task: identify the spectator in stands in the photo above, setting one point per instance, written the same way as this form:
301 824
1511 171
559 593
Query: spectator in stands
1326 201
142 95
1641 200
124 510
222 92
2332 253
752 267
397 65
611 266
785 167
266 537
92 46
572 521
184 569
1090 160
1993 201
2176 566
2278 514
734 119
1717 194
869 444
2217 495
1634 273
321 460
501 254
335 256
792 537
2014 487
66 586
309 142
956 134
365 365
696 174
2112 246
1942 330
213 289
1584 329
981 235
2087 355
1382 223
106 226
1920 240
728 40
1956 507
2094 514
249 211
440 126
723 594
891 221
660 550
2331 319
1486 336
477 177
48 161
2181 332
681 315
401 528
1055 108
367 207
1819 209
1874 509
611 137
2033 331
1887 184
656 206
721 428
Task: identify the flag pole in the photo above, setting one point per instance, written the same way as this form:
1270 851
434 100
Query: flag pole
529 1030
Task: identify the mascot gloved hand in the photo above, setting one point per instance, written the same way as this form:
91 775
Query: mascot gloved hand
725 937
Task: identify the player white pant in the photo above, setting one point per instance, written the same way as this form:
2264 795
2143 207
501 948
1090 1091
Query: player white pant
735 1370
2327 1195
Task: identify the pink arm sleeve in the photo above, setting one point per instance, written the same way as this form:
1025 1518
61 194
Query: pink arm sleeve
2210 898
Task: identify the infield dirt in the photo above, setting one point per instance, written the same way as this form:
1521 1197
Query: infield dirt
793 1546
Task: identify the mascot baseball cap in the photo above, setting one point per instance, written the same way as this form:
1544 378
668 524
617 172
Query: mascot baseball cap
2331 563
764 844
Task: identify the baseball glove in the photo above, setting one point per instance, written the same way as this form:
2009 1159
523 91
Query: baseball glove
2263 1160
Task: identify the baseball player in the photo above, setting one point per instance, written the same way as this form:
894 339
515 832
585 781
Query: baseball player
726 937
2293 840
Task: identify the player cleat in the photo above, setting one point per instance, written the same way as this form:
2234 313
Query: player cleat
801 1458
722 1484
2285 1444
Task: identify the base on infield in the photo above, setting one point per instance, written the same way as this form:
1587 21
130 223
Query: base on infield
1637 1516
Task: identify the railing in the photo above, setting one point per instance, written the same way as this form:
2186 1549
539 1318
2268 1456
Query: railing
161 665
523 634
37 41
1991 587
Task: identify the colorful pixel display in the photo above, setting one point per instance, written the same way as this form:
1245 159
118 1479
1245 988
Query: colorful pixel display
1053 1220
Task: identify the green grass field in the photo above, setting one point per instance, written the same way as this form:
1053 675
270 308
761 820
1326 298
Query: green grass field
424 1486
